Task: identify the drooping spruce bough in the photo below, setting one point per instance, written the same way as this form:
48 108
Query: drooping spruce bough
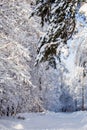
60 17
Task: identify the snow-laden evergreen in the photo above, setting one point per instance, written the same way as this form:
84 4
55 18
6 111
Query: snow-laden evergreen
60 16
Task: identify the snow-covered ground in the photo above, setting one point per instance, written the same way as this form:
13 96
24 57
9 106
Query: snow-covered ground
46 121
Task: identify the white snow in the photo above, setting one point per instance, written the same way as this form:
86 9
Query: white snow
83 9
46 121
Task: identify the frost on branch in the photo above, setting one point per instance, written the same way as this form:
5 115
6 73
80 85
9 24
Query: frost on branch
60 17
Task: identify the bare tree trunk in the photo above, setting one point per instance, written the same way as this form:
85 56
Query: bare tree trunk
83 107
83 92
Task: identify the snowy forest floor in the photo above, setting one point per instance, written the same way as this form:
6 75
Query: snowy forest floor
46 121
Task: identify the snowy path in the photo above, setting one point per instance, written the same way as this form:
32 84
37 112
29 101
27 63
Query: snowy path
48 121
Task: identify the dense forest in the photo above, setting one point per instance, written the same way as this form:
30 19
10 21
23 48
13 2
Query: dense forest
43 63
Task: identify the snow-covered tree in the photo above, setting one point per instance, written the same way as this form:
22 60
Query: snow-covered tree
79 59
18 75
60 17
